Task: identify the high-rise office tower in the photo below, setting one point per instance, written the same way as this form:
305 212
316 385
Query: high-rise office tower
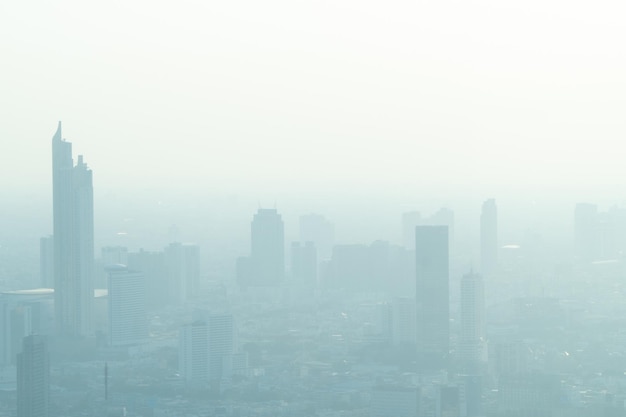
432 296
128 322
472 338
33 378
267 251
72 195
46 262
182 262
489 237
193 352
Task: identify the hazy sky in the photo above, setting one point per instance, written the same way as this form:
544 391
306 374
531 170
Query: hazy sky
256 95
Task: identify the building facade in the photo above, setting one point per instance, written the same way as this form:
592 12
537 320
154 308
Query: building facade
432 295
128 322
33 378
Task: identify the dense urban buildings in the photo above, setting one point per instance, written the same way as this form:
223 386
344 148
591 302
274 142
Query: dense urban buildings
361 327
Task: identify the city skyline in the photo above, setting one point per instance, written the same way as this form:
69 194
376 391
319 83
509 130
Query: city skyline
313 209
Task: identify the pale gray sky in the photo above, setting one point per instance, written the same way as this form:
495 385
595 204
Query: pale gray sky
242 94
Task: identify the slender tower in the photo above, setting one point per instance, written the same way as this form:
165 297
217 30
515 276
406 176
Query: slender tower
72 195
267 248
489 237
472 337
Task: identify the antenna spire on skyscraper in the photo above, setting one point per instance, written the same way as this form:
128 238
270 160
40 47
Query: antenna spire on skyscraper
57 134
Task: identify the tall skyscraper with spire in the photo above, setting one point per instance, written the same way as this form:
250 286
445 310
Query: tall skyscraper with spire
72 195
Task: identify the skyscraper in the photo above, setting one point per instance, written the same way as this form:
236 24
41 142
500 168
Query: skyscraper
267 251
472 343
33 378
72 194
128 321
182 263
155 273
204 345
489 237
432 296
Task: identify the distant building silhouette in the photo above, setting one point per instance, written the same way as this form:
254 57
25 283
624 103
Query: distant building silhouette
22 313
182 263
448 401
128 322
304 264
410 221
114 255
153 266
489 237
532 394
317 229
378 267
599 236
208 350
33 378
403 317
443 217
432 296
266 264
73 240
